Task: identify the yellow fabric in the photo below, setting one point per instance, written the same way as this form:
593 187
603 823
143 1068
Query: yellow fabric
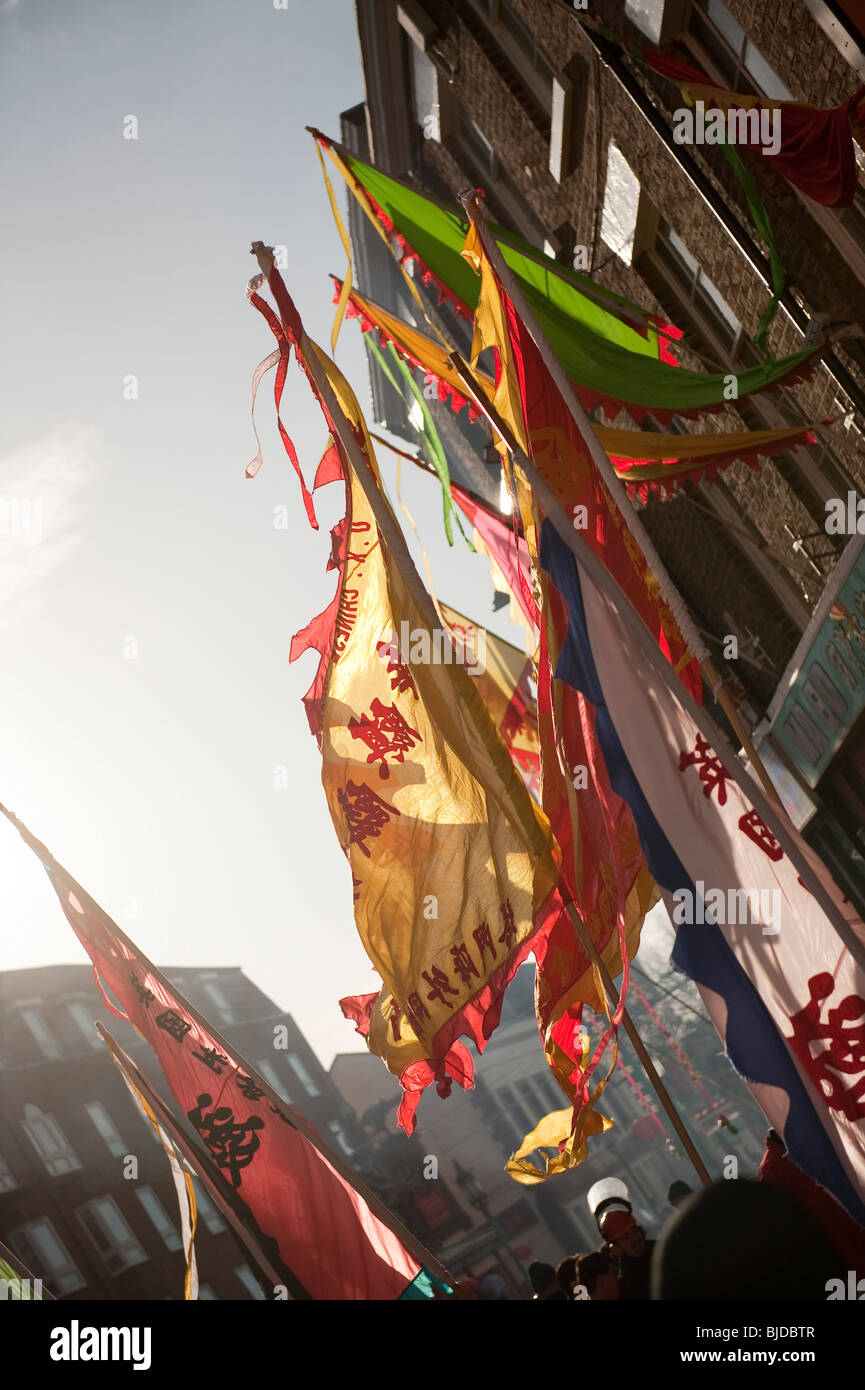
503 669
689 449
178 1168
722 99
446 847
566 1130
344 238
490 330
361 198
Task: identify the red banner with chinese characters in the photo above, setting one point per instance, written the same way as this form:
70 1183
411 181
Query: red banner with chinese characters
308 1216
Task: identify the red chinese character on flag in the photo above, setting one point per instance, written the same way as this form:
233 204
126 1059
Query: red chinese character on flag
844 1030
484 938
386 733
365 812
509 933
712 770
760 834
439 981
416 1011
402 679
463 963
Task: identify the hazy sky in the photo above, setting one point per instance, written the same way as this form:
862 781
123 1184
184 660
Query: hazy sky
150 776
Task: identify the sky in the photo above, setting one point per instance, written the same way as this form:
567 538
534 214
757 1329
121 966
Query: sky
147 599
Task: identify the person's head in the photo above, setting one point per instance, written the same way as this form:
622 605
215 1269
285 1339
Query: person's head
743 1240
623 1235
542 1276
678 1193
566 1274
595 1273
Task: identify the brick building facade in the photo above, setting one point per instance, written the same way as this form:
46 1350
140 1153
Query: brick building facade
570 137
84 1219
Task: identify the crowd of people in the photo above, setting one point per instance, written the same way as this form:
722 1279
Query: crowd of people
782 1236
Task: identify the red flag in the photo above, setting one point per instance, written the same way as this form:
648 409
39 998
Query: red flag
310 1218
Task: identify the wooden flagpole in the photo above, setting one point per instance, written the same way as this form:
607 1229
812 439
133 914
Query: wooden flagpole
640 1048
776 821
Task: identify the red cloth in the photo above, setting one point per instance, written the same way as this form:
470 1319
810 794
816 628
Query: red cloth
325 1232
845 1233
816 153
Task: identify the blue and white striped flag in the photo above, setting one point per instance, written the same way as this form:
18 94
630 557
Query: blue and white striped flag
783 991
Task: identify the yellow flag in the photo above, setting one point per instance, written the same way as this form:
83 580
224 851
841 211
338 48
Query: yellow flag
454 867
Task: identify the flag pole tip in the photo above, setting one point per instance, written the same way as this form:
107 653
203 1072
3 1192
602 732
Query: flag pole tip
264 255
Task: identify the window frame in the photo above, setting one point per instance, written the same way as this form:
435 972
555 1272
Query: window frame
165 1228
60 1158
115 1144
57 1275
123 1250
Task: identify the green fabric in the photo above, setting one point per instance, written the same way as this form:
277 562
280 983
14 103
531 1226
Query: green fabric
764 227
431 436
423 1285
596 349
16 1287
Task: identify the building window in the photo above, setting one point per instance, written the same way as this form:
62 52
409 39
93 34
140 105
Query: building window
739 63
160 1218
621 205
512 1108
478 145
46 1257
7 1178
303 1075
104 1123
219 1001
49 1141
339 1135
84 1020
208 1212
425 94
699 289
113 1237
515 209
272 1076
547 1088
648 15
534 54
48 1046
249 1282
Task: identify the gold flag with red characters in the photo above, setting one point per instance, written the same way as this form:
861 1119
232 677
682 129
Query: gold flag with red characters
453 865
502 675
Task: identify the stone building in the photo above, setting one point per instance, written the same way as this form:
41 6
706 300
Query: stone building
570 138
83 1218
